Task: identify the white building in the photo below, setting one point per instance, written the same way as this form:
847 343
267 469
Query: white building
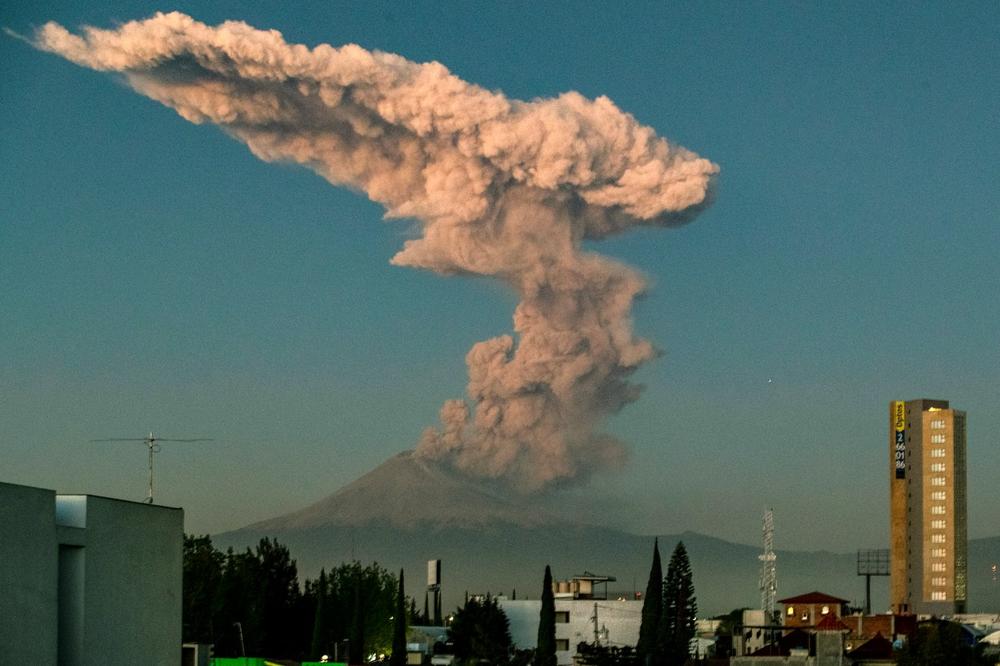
88 580
577 604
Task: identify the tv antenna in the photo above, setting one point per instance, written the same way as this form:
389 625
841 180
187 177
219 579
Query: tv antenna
153 444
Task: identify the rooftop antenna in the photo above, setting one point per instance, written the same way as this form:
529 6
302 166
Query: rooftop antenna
152 443
768 569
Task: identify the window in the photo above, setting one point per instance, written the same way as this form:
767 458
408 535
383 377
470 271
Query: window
937 538
935 525
937 480
937 552
939 495
937 439
938 567
937 467
825 610
938 596
562 617
937 424
937 453
791 611
937 509
562 644
939 581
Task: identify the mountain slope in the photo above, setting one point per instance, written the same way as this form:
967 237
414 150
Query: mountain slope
406 492
407 511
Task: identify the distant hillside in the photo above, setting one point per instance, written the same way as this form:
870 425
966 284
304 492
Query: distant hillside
407 511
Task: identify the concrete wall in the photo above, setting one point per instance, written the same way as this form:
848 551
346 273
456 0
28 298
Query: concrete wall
133 584
28 570
88 581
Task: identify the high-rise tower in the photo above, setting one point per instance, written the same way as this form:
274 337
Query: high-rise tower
927 524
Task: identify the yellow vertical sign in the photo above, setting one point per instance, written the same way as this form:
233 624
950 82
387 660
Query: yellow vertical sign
899 410
899 425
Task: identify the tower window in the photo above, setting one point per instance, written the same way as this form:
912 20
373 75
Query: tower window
937 453
939 495
937 509
937 439
938 596
937 467
938 524
937 424
937 480
937 538
937 552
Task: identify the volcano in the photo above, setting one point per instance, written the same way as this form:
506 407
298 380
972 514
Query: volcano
408 492
409 510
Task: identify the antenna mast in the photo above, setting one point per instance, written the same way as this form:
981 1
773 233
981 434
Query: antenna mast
768 568
152 443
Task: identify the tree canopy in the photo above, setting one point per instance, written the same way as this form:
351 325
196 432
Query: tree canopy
481 632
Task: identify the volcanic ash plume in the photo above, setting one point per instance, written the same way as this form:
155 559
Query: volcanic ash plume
501 188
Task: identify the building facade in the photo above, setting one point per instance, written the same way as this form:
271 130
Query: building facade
88 581
928 517
584 614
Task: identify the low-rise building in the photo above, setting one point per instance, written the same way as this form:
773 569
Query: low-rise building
808 610
584 614
88 580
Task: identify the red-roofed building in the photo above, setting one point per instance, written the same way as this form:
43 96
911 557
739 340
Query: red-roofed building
808 610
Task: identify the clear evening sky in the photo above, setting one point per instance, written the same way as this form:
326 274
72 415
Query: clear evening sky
154 275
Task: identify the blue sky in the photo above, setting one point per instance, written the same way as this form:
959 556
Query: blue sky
155 275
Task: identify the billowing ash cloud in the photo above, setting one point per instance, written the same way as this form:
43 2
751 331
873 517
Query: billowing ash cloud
501 187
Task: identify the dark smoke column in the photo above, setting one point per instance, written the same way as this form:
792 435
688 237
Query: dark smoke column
501 187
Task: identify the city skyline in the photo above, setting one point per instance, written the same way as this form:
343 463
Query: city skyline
157 276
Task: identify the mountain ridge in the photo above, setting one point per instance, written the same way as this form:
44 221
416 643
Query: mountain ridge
409 510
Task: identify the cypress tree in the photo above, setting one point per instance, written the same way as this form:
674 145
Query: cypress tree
545 653
319 637
652 610
680 609
398 657
427 613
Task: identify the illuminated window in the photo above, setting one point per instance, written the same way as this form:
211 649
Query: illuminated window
937 439
937 424
938 596
937 552
938 524
938 509
791 611
938 567
937 538
939 495
937 453
937 467
937 480
939 581
825 610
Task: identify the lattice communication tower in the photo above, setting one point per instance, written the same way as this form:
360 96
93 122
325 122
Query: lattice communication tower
768 568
